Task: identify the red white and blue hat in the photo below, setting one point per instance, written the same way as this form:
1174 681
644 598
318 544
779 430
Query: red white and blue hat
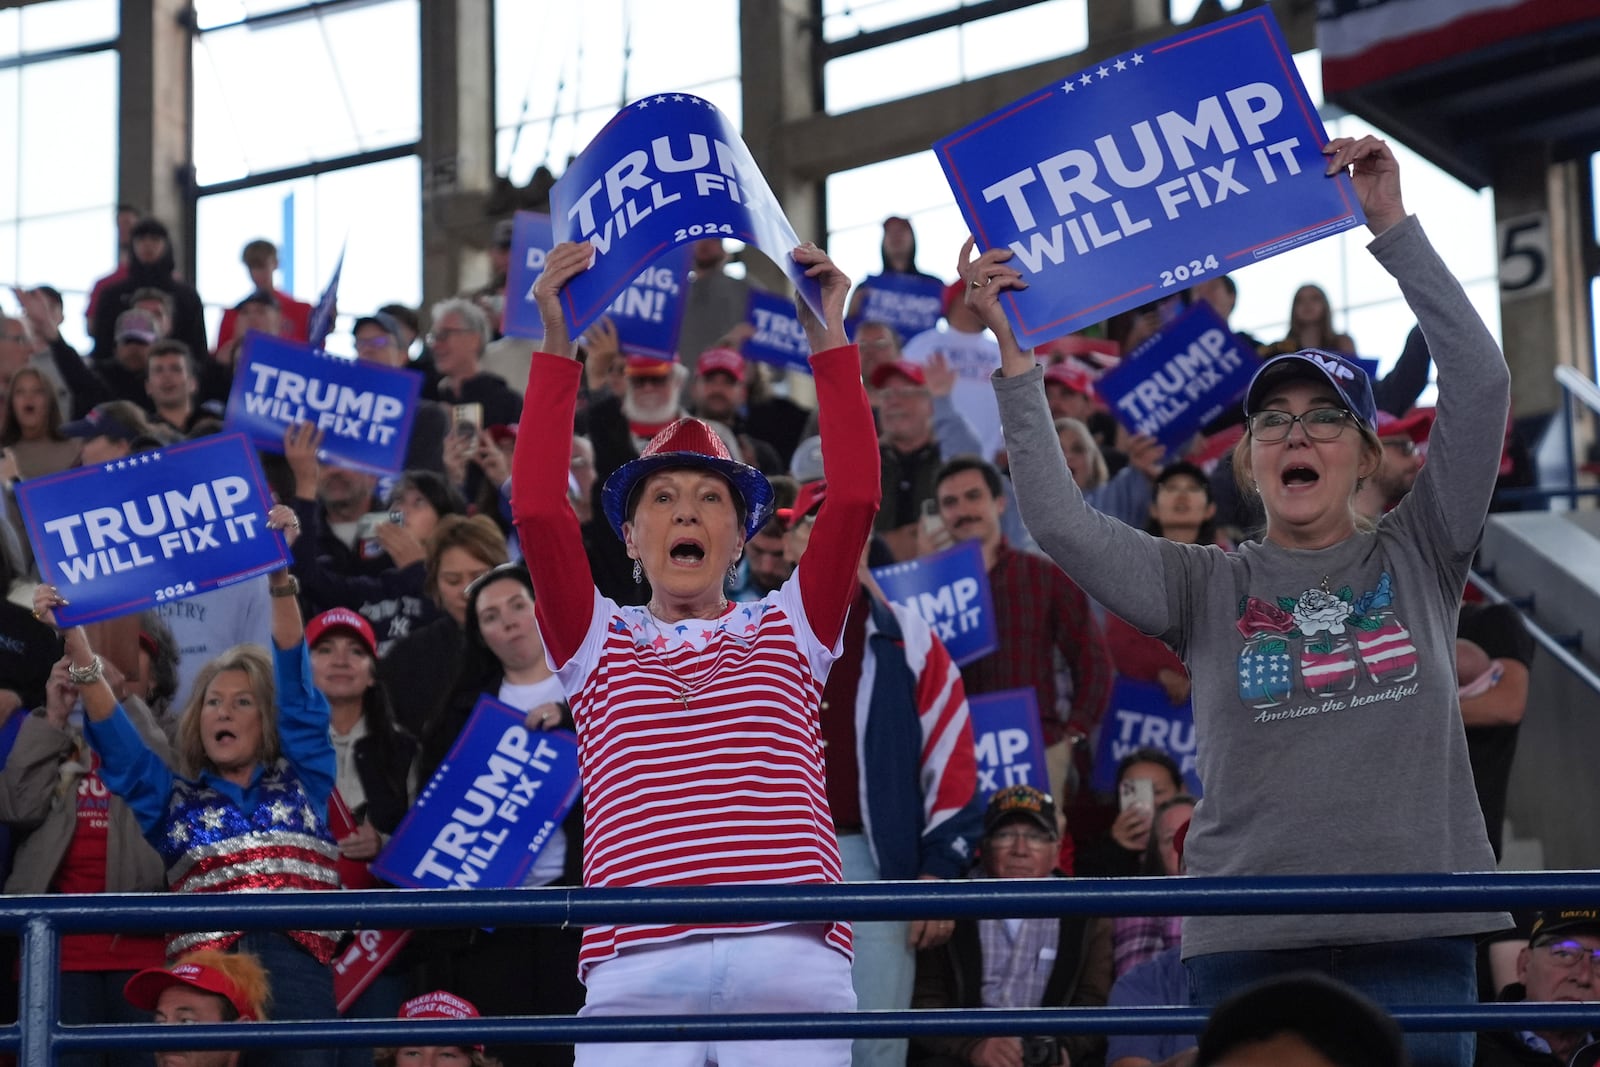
1348 380
688 443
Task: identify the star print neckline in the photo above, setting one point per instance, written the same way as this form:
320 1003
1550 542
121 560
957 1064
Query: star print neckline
740 620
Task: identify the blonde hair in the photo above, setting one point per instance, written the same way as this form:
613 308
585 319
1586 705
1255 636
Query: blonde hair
256 663
242 969
1098 473
1244 472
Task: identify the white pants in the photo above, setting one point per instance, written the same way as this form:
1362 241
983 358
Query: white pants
785 970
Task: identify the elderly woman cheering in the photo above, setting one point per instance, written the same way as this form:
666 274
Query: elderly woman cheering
697 719
1322 659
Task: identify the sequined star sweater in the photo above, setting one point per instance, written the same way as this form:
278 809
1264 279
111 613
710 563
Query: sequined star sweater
216 837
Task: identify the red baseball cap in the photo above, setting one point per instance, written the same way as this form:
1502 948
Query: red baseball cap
1415 424
809 499
725 360
646 367
146 987
1070 375
956 290
342 619
909 371
502 433
440 1005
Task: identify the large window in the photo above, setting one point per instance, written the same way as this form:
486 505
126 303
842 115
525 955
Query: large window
563 69
58 114
292 103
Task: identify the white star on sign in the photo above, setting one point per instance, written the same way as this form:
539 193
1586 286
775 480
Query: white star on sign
1137 59
1086 80
677 97
1121 65
1066 86
110 467
1103 72
661 100
643 104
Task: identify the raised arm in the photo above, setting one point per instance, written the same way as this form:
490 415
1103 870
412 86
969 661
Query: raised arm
547 528
844 421
1096 551
1474 383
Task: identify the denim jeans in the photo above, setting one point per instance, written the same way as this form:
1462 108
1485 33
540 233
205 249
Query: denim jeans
1440 970
885 967
96 997
302 988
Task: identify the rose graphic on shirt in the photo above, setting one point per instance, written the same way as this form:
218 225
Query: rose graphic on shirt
1318 611
1266 670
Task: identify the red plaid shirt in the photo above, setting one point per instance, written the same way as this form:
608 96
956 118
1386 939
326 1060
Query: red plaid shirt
1040 612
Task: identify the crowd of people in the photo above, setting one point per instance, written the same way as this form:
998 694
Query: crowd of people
674 560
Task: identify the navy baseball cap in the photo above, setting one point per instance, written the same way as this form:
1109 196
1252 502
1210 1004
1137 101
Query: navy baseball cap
1348 380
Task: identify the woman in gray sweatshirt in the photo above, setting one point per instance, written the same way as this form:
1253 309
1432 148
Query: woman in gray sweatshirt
1322 658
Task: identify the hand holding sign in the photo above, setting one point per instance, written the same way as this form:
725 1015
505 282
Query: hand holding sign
563 263
1374 175
835 284
987 277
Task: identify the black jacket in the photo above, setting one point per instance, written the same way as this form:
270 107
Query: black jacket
188 315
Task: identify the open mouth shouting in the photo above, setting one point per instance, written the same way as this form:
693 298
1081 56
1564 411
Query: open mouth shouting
1299 477
686 552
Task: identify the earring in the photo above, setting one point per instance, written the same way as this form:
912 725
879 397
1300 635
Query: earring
733 573
1360 482
638 573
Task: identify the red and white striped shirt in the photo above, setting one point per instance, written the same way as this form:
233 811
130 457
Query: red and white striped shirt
702 759
727 790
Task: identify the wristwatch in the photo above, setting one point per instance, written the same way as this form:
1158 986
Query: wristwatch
291 588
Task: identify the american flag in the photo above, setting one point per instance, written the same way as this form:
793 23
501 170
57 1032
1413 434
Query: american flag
327 307
1265 673
1327 673
1388 652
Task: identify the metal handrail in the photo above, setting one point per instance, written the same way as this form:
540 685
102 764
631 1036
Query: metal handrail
42 920
1551 644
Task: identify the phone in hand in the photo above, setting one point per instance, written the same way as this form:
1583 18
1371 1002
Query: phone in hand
933 526
1137 793
466 420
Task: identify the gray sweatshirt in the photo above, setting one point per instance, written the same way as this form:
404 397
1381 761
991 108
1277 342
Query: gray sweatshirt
1330 737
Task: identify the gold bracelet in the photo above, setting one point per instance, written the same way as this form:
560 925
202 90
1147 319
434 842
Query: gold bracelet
86 675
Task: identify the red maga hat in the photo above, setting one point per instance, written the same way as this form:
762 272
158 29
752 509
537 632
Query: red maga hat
911 372
145 988
342 619
724 360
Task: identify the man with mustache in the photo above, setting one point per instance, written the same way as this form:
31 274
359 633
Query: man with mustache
1043 619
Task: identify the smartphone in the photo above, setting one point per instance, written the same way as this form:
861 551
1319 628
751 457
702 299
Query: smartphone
933 526
1137 793
367 525
466 420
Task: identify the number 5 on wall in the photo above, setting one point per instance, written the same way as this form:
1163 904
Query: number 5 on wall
1524 243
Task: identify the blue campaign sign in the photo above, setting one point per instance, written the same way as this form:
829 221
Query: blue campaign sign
1147 172
530 243
364 410
950 590
779 339
163 526
649 312
667 170
489 809
1141 716
911 303
1180 379
1009 740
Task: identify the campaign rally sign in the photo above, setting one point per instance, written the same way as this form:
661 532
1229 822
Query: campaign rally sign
162 526
530 243
911 303
779 339
489 809
364 410
1148 172
667 170
1181 378
1141 716
1009 741
950 590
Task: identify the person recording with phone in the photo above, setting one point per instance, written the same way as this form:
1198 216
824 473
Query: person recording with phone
388 589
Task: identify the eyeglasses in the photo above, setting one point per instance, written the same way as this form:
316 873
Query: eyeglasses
1568 954
1031 838
1405 446
1320 424
380 341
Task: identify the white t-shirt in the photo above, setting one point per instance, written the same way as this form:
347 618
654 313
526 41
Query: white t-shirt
974 357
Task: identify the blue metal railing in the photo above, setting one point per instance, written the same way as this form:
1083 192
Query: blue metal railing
40 921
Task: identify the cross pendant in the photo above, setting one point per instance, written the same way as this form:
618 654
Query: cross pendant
683 695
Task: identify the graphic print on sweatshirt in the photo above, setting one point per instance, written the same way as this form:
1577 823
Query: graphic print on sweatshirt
1323 643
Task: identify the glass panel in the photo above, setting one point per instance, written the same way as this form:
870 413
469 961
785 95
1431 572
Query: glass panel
374 208
842 18
904 68
10 134
1018 38
68 150
325 110
209 13
10 32
69 252
561 71
65 23
1184 10
911 186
